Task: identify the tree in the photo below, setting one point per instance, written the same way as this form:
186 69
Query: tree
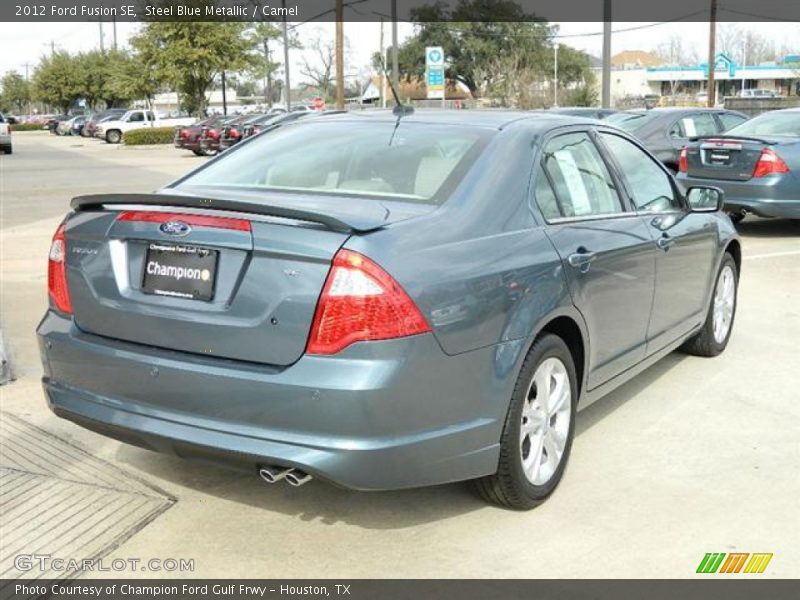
320 71
474 35
58 81
16 91
130 78
190 55
676 51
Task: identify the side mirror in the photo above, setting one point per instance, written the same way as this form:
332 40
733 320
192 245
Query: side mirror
704 198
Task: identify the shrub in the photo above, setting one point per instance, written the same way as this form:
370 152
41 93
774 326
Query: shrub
27 127
149 135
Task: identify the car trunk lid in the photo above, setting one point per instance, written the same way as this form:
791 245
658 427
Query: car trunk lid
252 273
731 158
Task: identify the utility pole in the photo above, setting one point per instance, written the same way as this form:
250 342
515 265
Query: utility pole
383 71
555 74
114 21
340 54
27 88
100 23
287 87
52 48
712 55
267 74
224 97
606 83
395 64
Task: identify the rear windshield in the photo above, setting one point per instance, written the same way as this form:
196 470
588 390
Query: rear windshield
415 161
631 121
774 123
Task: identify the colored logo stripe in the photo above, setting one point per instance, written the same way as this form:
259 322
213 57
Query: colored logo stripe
713 562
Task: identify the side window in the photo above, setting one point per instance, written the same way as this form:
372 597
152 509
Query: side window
150 116
694 125
137 116
650 187
545 196
583 185
729 120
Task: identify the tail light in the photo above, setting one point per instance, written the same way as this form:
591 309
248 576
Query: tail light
769 163
256 130
683 161
361 302
213 134
57 273
184 134
233 133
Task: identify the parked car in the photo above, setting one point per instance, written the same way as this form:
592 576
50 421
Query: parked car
187 137
5 136
211 134
665 131
232 133
757 164
386 301
584 111
52 122
113 130
76 125
271 120
65 127
759 93
90 128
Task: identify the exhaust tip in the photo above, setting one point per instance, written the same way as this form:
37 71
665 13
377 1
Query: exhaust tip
273 474
296 478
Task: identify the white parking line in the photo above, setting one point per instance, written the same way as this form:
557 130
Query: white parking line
772 255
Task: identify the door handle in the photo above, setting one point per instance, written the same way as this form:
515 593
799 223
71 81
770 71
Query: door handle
665 242
581 259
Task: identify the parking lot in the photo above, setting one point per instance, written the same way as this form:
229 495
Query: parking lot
693 456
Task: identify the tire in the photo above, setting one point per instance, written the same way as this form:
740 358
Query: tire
510 486
8 150
706 342
199 153
114 136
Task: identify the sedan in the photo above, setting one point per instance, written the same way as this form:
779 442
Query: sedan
757 164
188 137
232 133
386 300
665 131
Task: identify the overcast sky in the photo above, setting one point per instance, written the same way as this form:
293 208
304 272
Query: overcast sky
22 43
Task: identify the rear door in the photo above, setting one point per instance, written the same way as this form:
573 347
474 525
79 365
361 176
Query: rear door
606 251
685 242
687 126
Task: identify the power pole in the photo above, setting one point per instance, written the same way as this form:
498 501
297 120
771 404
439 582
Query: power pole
287 87
606 83
52 48
100 23
224 97
267 75
555 74
712 55
395 64
114 21
27 88
340 54
382 93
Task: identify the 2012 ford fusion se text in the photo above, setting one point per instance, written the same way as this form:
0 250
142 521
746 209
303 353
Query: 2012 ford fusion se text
386 300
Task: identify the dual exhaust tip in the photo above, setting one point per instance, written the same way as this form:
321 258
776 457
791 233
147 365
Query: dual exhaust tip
294 477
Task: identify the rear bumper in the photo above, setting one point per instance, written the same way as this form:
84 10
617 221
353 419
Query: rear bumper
385 415
772 197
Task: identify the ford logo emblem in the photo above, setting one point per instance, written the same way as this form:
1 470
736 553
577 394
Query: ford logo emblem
175 228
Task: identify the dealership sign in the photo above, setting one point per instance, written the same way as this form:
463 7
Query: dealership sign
434 71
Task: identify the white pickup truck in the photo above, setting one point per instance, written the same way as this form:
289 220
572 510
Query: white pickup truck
5 136
111 131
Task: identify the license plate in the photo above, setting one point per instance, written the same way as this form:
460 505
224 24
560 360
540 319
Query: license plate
180 271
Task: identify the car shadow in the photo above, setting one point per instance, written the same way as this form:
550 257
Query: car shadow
325 503
753 227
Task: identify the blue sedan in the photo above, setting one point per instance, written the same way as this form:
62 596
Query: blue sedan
386 300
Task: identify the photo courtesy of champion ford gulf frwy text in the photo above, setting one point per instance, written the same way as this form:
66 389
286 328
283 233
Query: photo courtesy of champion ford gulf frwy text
399 299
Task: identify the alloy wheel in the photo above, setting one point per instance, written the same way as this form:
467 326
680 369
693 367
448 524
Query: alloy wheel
724 302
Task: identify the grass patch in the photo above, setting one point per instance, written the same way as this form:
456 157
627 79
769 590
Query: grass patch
149 135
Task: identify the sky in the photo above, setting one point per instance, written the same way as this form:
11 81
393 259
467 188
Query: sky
22 43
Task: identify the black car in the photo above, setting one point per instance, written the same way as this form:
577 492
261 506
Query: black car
666 131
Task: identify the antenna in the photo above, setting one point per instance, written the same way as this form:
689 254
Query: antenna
399 109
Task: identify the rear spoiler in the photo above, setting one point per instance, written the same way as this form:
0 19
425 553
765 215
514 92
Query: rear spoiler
370 220
722 136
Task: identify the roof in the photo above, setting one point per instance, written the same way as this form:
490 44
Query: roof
488 118
635 58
